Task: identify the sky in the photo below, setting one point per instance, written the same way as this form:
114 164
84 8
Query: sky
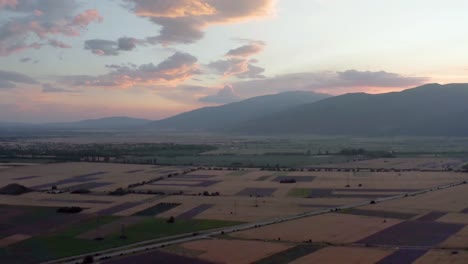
68 60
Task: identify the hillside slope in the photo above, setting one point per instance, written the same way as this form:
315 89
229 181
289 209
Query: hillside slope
429 110
221 117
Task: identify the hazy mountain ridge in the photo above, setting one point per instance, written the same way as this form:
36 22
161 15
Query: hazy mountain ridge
429 110
218 118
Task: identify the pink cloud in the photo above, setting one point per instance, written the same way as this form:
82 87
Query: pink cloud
85 18
42 19
8 3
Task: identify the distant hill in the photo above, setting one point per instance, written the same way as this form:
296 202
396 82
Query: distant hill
429 110
102 123
221 117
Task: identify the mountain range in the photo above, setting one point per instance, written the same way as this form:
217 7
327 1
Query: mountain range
428 110
220 118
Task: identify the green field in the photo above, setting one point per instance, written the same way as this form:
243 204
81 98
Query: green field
299 193
64 243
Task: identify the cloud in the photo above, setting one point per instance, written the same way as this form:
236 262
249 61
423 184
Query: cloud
49 88
238 67
8 3
104 47
172 8
184 21
31 23
9 80
329 82
174 70
58 44
24 60
247 50
127 43
380 79
223 96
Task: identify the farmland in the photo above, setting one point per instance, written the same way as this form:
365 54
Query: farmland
124 205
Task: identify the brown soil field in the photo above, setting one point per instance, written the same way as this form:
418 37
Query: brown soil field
443 256
459 240
349 255
448 200
455 218
62 174
234 251
4 242
335 228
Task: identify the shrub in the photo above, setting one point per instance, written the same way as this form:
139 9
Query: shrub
171 220
69 210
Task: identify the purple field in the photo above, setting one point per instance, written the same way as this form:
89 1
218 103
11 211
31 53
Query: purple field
88 186
194 212
414 233
25 178
403 256
296 178
260 192
156 257
431 217
465 211
118 208
76 179
77 201
203 183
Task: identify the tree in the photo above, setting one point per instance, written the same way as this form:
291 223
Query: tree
465 167
171 220
88 259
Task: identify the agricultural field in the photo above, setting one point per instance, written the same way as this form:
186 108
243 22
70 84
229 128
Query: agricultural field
121 205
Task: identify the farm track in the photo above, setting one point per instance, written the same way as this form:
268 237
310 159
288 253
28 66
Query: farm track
183 238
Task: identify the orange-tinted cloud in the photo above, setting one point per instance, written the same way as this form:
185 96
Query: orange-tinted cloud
184 21
174 70
173 8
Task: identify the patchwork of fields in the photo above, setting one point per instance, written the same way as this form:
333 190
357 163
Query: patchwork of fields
431 226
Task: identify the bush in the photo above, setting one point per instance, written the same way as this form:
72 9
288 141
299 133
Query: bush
69 210
88 259
171 220
80 191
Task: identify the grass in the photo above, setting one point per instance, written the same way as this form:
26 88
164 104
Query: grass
299 193
64 243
